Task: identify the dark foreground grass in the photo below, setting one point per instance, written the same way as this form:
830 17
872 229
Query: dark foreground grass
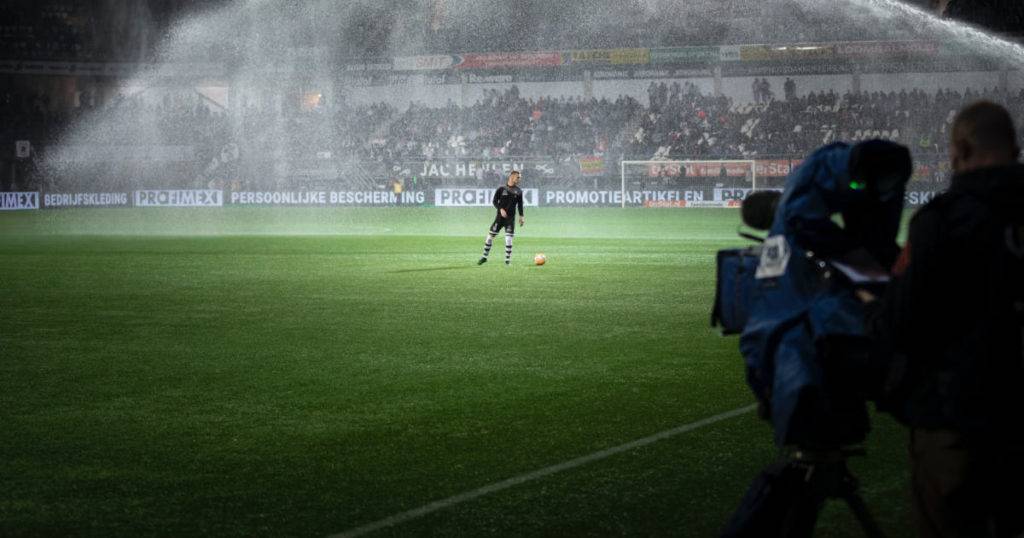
162 373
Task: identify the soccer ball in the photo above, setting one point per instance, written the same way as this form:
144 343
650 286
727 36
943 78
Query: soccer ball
540 259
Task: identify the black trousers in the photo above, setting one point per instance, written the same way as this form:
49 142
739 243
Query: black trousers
508 223
966 489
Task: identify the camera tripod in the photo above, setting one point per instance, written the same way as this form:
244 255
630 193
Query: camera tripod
785 499
825 476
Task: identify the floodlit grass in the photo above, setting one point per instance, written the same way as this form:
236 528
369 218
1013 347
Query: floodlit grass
300 372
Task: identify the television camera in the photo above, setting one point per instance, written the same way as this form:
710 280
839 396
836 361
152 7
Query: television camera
793 300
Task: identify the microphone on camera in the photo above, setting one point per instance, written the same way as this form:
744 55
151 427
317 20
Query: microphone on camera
758 209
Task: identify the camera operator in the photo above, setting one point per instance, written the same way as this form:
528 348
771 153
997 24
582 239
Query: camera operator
950 324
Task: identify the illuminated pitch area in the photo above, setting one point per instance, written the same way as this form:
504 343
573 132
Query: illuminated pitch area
196 383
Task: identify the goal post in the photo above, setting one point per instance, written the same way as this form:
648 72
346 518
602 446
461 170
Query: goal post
687 183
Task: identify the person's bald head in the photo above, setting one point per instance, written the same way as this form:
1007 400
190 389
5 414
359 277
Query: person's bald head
983 135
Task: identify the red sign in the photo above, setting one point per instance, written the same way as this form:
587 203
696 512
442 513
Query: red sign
665 203
689 203
874 49
773 167
664 169
763 167
699 169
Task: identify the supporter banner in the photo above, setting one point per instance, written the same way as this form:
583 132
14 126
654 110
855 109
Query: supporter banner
106 154
312 198
476 197
686 55
179 198
763 53
499 60
14 201
609 57
86 199
470 169
592 165
614 197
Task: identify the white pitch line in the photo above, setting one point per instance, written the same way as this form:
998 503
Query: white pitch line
534 475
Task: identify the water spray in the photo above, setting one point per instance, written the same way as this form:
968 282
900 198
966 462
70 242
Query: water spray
962 33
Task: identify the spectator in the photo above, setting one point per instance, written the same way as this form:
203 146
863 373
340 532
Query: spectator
766 91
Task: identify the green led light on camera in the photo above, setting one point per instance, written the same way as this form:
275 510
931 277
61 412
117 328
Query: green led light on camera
856 185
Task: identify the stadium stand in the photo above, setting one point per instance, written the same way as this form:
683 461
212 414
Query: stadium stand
364 142
679 122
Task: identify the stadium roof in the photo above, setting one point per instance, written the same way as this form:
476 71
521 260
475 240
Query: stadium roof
382 28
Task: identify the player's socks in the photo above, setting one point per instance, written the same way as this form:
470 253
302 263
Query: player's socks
508 248
488 242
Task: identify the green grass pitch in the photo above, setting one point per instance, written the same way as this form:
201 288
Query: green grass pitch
300 372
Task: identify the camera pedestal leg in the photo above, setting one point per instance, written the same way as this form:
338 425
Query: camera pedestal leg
828 477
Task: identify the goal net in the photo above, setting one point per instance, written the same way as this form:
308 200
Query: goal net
714 183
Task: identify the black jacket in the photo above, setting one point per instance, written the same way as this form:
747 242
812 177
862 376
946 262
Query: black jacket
509 199
951 320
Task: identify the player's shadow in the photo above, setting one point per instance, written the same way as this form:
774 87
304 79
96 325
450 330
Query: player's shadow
428 269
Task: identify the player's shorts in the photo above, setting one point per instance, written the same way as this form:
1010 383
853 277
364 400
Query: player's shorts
509 224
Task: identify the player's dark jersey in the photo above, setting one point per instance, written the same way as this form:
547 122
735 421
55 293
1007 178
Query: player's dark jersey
508 198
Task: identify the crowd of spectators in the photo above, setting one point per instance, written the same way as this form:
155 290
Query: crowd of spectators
505 124
678 122
690 125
